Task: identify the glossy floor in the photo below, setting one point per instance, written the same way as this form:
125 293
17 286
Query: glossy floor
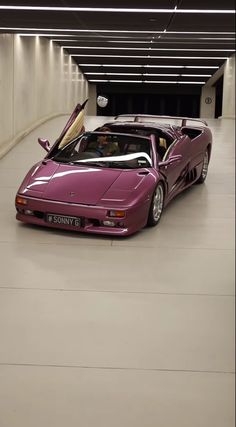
132 332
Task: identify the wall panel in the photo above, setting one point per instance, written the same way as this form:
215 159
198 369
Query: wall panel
38 80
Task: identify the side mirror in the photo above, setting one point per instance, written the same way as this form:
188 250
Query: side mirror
44 143
170 161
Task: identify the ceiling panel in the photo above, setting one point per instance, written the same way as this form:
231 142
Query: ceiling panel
201 22
191 45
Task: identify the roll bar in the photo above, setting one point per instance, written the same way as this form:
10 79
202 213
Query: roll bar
137 118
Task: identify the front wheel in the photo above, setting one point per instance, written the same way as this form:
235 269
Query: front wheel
156 207
205 164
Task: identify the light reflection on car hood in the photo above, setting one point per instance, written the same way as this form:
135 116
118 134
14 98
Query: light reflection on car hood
80 183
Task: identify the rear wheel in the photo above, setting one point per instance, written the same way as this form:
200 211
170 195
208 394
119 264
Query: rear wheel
156 207
205 164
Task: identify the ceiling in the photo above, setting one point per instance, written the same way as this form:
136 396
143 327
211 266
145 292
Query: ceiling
184 44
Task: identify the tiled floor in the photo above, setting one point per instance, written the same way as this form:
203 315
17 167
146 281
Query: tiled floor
132 332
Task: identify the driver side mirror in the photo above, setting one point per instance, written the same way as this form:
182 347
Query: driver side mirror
44 143
170 161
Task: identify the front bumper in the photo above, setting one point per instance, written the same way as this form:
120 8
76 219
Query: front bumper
92 217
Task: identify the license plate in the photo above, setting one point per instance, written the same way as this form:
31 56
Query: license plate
72 221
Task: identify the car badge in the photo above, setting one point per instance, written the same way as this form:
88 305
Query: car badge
71 193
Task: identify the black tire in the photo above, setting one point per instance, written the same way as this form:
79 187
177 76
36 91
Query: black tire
156 207
204 171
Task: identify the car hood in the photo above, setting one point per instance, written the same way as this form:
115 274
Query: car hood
80 184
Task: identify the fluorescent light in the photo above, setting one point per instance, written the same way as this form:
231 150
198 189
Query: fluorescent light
43 35
147 49
113 74
126 39
215 38
64 40
196 75
231 11
125 81
151 57
146 74
130 41
199 32
166 39
192 83
161 81
215 67
163 66
150 66
161 75
116 81
178 82
72 30
145 81
90 65
110 65
113 9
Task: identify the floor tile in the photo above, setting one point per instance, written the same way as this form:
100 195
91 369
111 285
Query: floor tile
117 269
92 397
176 332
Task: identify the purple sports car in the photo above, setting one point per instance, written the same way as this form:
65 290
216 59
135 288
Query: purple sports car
115 180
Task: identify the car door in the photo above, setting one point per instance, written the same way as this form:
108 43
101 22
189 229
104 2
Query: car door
175 164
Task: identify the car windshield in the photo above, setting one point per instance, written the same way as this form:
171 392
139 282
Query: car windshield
105 149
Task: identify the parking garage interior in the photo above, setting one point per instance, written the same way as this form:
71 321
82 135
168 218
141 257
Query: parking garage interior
111 331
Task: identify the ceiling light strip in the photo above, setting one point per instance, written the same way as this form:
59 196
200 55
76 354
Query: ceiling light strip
114 9
146 74
215 67
145 81
112 31
166 39
115 74
151 57
145 49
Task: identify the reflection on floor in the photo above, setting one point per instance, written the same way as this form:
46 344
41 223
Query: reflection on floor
134 332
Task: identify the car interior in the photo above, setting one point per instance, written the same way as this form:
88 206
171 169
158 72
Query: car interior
163 141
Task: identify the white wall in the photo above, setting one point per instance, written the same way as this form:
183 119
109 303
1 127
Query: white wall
38 80
92 102
208 100
228 106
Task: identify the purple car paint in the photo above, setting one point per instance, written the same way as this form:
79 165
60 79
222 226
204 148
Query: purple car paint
76 187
